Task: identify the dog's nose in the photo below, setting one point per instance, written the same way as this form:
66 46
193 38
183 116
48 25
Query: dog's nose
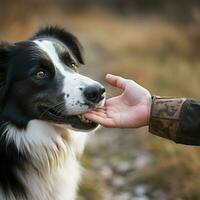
94 93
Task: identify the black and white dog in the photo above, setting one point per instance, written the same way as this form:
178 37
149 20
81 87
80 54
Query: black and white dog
42 131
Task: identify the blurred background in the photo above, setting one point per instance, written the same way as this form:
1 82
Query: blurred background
154 42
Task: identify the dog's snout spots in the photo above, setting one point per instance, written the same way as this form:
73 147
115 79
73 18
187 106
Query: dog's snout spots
78 103
67 95
80 89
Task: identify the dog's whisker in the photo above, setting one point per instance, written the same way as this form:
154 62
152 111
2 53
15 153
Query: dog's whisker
61 109
52 107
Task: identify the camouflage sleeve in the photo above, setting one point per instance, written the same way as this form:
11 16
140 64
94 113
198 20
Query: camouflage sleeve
177 119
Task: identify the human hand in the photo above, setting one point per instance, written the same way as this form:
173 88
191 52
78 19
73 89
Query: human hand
131 109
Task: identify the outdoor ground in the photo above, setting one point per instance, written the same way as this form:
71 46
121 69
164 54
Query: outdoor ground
131 164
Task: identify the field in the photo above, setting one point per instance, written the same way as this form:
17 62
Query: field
162 56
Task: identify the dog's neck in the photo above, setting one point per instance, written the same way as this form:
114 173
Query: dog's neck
43 150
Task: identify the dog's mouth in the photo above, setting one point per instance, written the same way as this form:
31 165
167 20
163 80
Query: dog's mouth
76 121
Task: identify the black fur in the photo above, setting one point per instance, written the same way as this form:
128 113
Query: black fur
19 90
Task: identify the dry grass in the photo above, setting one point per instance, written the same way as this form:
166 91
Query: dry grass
175 170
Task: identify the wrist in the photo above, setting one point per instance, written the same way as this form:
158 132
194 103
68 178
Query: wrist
148 111
144 113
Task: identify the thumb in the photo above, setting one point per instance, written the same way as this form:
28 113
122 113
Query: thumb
116 81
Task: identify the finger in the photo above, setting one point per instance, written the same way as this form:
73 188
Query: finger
107 122
100 110
101 114
116 81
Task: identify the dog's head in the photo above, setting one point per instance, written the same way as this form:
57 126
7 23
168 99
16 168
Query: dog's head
39 80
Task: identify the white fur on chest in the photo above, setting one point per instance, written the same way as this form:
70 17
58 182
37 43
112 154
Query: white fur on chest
53 152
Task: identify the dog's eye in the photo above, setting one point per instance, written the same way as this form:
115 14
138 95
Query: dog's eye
41 75
74 66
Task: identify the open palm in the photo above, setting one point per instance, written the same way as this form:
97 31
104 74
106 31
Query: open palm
130 109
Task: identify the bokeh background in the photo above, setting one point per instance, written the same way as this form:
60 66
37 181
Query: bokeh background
154 42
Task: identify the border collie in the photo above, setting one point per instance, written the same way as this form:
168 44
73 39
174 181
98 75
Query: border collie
42 131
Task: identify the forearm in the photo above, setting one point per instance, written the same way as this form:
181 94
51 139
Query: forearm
177 119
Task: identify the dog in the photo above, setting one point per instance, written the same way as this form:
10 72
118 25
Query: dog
42 129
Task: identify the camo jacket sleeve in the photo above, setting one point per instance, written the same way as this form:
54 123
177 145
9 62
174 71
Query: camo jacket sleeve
177 119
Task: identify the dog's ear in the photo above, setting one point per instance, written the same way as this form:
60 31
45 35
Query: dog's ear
64 36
